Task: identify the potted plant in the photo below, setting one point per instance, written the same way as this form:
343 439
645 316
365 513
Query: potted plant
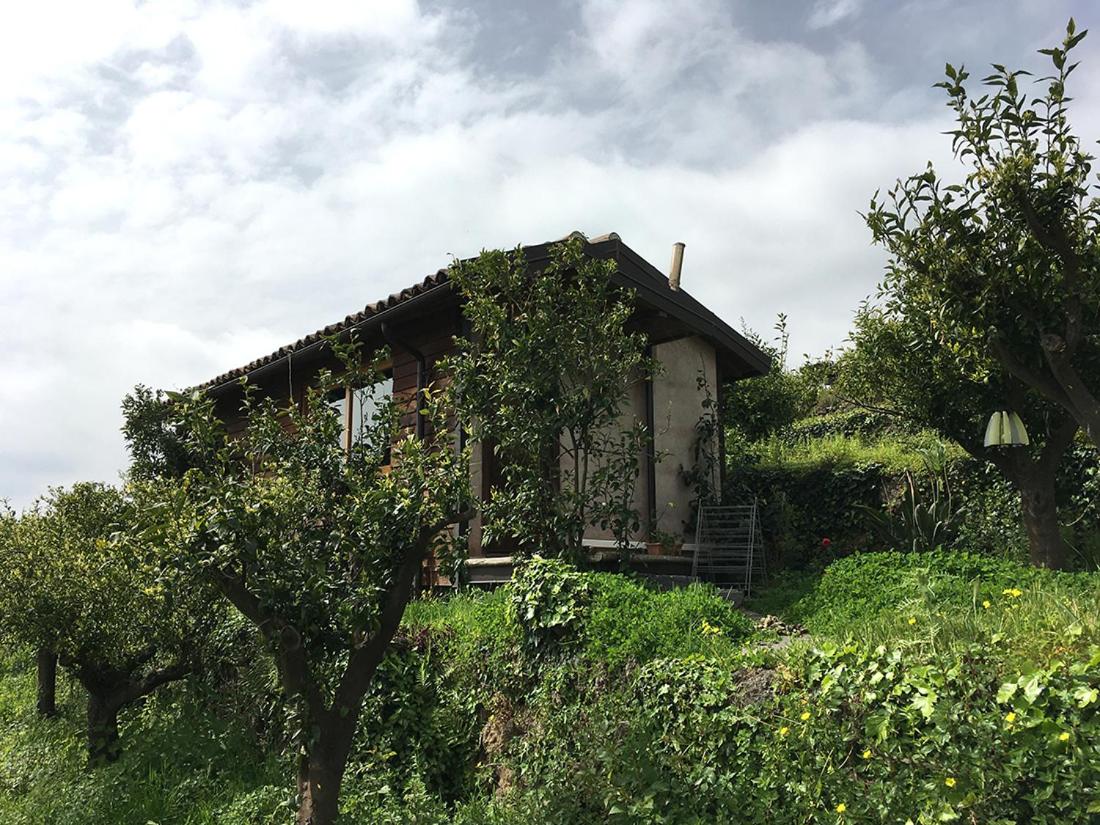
661 543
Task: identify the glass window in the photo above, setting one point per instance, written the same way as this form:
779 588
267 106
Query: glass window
336 402
366 403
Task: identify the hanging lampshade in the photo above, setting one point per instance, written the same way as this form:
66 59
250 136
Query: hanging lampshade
1005 429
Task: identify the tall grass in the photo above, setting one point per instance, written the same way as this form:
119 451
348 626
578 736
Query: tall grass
895 453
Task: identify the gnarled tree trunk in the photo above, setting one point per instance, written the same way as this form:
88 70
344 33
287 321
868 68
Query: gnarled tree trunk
110 689
46 666
1034 476
321 771
1038 502
103 744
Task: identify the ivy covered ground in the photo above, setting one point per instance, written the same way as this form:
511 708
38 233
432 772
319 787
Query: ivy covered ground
929 688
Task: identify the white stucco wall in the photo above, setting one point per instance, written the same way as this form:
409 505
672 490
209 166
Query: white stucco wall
633 411
677 408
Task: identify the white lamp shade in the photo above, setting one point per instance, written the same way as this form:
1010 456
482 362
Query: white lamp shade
1005 429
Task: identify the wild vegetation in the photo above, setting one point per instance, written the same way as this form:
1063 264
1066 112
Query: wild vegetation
237 637
933 688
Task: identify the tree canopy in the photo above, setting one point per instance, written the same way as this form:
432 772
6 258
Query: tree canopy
543 378
316 545
991 299
81 581
1005 263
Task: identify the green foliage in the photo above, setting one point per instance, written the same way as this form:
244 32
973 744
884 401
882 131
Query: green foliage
810 513
921 726
316 545
853 734
819 477
896 451
615 620
80 580
656 713
921 521
550 599
282 519
1000 270
758 407
151 432
860 592
542 378
184 763
629 622
703 476
991 299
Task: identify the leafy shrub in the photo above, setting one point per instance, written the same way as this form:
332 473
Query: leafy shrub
841 733
549 601
848 423
629 622
652 711
801 506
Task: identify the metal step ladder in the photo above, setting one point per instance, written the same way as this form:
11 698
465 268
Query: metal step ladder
729 546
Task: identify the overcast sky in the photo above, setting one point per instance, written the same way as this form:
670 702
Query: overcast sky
185 186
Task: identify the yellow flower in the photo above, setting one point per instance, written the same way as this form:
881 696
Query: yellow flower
986 604
783 731
949 782
1012 592
1063 736
1010 717
867 754
912 620
841 808
805 715
710 630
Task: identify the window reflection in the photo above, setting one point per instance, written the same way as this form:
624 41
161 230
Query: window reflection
366 404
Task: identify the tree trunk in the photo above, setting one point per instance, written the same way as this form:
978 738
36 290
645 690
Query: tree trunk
1040 511
321 772
103 744
46 661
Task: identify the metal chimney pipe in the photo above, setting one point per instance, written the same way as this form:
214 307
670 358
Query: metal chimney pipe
677 265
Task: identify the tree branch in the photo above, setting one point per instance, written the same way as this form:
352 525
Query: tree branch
143 687
1060 440
1055 240
364 661
1043 384
290 656
1080 402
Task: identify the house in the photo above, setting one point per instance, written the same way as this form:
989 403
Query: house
419 325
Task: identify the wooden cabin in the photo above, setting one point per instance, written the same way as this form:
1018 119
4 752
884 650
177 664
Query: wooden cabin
419 325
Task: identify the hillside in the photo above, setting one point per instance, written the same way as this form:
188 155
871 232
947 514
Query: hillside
935 688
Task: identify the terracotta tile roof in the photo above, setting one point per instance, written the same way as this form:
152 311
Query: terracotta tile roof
314 338
654 283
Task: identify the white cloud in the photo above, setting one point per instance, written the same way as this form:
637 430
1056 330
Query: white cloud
186 186
830 12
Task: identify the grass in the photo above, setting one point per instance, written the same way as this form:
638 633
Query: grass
182 764
896 454
941 601
644 658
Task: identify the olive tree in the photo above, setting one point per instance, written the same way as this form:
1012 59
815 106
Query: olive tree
78 582
317 547
1007 260
542 379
